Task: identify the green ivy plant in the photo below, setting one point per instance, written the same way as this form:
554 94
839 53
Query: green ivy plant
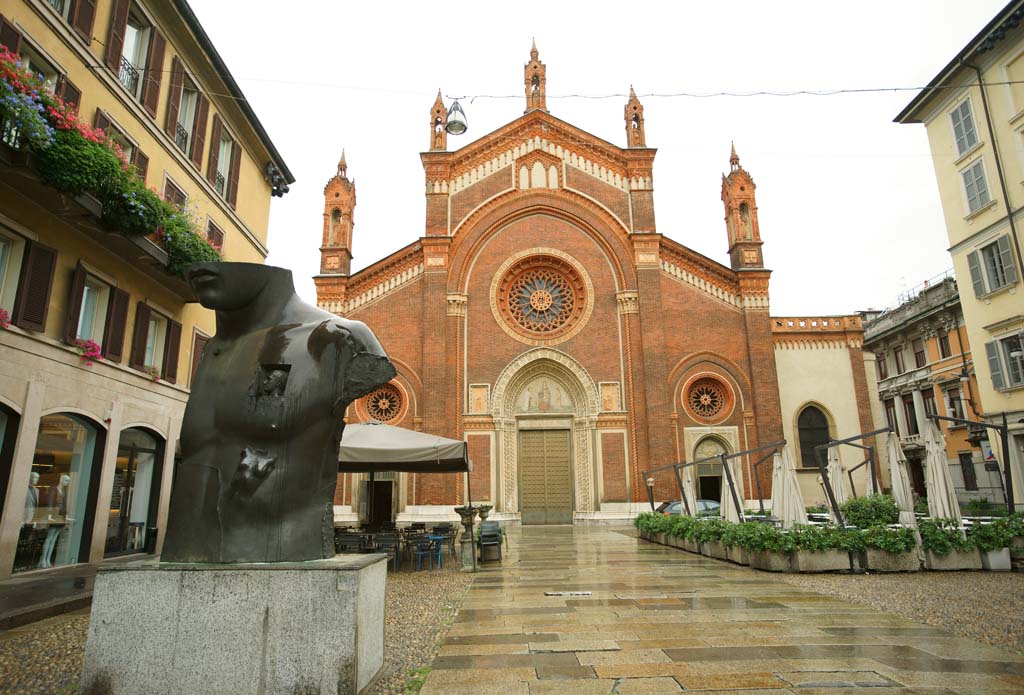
827 537
872 510
991 537
891 540
943 536
763 537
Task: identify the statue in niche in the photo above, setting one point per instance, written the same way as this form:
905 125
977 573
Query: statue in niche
748 230
259 440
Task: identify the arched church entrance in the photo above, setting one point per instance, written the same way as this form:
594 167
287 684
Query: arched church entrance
709 475
545 407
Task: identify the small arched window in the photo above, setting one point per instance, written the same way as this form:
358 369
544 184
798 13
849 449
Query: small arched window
813 428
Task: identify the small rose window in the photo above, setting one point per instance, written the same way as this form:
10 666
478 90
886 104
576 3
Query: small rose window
384 404
708 399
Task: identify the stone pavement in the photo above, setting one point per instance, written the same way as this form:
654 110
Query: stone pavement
661 620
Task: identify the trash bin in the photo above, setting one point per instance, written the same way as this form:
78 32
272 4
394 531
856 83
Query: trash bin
150 546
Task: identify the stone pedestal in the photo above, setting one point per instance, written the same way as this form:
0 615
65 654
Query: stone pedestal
467 555
282 628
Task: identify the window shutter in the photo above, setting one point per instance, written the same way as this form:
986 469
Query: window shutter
137 358
198 345
154 72
32 302
1006 256
174 96
75 305
236 162
101 121
115 34
82 16
117 320
169 372
211 164
994 366
199 130
9 35
141 162
69 93
975 268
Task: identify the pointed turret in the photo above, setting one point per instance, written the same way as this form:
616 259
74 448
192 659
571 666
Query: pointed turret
634 121
438 121
339 210
342 166
741 216
535 81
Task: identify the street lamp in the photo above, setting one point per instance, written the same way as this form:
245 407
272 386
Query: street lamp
456 122
650 491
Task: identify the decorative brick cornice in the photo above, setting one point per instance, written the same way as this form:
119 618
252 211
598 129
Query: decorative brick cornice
817 332
699 272
383 277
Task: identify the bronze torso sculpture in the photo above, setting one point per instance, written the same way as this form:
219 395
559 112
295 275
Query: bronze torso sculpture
259 441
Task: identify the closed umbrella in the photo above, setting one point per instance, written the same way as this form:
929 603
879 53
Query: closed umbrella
787 500
837 477
902 491
942 502
729 511
690 490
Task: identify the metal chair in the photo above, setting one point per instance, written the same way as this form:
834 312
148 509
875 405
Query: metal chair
423 547
348 542
490 536
449 533
388 544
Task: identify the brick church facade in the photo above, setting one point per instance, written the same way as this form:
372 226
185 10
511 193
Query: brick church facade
543 318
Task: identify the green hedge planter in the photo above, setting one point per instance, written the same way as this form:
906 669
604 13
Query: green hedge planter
770 560
996 560
714 549
737 554
820 560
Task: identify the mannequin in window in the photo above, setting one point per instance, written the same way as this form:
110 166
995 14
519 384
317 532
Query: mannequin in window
31 499
56 519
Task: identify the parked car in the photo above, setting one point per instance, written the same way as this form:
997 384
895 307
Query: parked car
704 507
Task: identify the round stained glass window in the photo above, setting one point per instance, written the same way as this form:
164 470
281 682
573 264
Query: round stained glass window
708 399
541 296
384 404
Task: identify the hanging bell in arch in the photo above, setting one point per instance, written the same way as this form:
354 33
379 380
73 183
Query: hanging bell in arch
456 122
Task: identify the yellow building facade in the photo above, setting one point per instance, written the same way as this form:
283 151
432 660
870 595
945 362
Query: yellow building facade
973 111
87 446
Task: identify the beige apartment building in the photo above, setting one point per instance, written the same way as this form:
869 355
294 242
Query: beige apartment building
973 111
87 447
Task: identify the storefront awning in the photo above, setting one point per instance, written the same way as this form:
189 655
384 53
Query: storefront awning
373 447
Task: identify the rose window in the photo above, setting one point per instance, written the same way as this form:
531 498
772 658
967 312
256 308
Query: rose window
384 404
541 295
708 399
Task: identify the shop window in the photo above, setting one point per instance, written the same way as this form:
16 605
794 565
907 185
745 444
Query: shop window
135 495
812 426
61 497
8 436
155 344
1006 361
992 267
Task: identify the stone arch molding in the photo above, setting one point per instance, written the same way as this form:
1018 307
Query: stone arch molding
582 391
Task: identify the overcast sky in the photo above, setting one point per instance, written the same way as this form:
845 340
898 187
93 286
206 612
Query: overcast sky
847 201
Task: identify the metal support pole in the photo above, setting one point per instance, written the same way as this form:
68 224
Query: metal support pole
757 479
871 467
1004 441
732 486
472 536
682 493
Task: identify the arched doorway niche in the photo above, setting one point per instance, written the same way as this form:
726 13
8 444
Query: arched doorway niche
545 388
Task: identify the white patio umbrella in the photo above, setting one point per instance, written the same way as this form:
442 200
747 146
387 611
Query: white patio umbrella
787 500
729 511
837 478
942 502
690 490
899 474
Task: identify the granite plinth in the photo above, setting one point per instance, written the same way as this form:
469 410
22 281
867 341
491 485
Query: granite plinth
270 628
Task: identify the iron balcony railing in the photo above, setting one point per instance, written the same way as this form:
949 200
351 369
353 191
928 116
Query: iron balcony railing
219 185
10 134
129 75
57 5
181 137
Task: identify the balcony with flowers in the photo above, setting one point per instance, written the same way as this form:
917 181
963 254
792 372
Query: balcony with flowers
81 175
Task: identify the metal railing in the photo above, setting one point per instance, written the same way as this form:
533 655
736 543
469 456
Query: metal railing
129 75
57 5
219 184
181 137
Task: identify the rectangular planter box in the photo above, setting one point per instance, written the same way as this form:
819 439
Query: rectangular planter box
996 560
691 546
737 554
716 550
770 561
820 561
659 538
956 560
671 541
875 560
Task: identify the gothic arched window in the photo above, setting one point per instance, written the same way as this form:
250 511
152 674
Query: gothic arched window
813 428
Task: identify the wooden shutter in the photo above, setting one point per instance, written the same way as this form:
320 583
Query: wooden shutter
211 164
141 162
174 96
115 34
32 302
994 365
199 130
1006 256
75 305
976 278
154 72
9 35
236 163
83 13
172 346
101 121
114 328
137 358
69 93
198 345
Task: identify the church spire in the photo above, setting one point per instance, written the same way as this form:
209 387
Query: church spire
634 121
438 121
339 209
535 81
741 216
734 159
342 166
